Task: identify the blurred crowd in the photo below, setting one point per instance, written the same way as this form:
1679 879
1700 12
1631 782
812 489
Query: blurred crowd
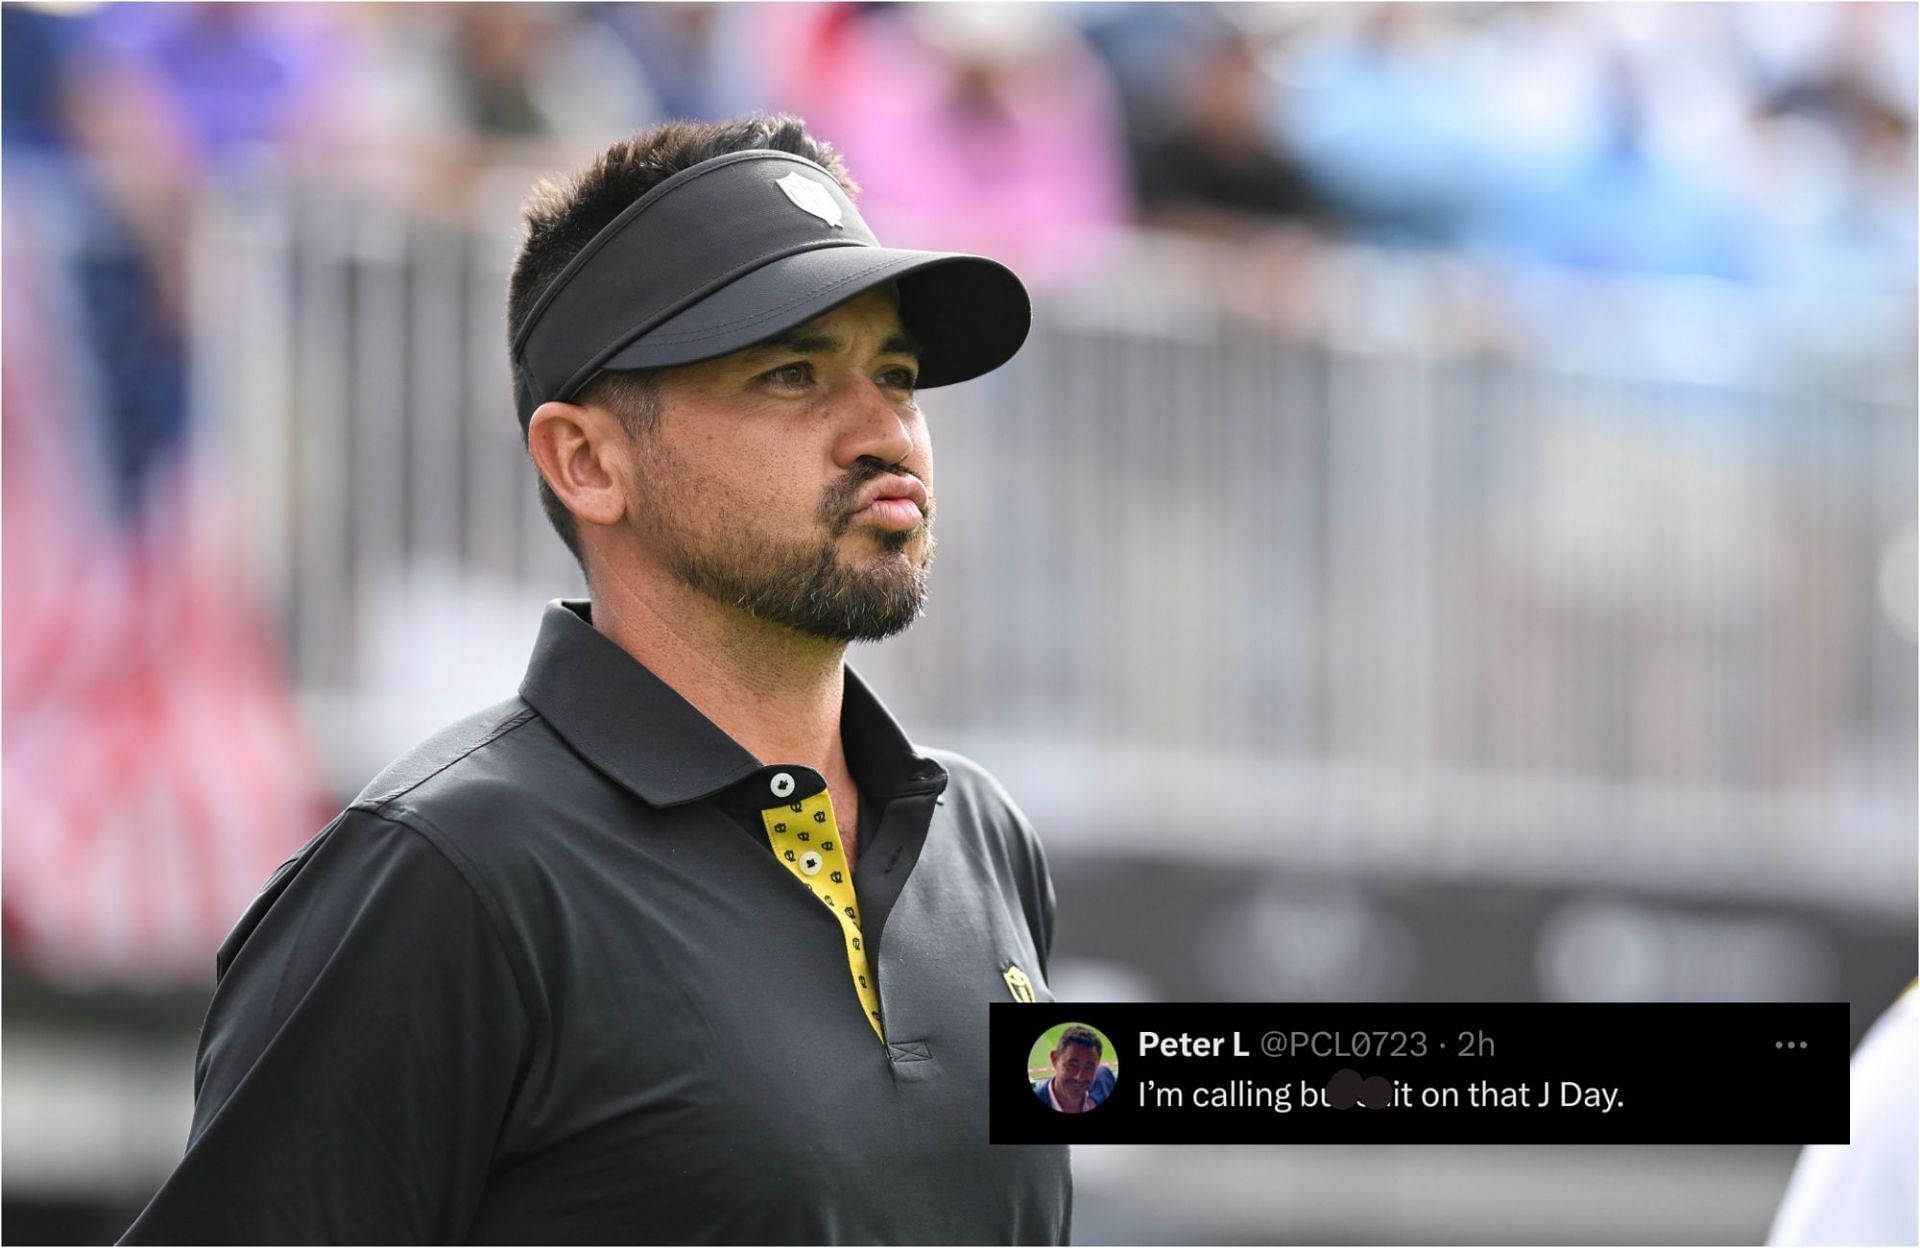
1635 608
1764 150
1769 144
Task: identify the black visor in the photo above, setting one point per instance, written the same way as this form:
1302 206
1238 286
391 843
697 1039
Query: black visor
739 249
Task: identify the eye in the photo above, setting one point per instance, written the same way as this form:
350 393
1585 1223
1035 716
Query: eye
899 377
790 376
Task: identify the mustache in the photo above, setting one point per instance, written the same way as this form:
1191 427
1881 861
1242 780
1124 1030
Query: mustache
837 508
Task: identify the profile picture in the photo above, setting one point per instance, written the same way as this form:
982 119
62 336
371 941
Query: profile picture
1073 1068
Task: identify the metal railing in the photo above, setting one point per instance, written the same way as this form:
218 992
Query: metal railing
1363 595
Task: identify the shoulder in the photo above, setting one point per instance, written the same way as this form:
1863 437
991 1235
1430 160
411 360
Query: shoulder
1886 1052
973 789
1884 1079
446 850
367 887
431 845
1103 1085
985 812
473 750
1863 1192
484 789
391 823
461 822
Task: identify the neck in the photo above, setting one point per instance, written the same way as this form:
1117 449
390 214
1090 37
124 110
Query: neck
775 691
1069 1102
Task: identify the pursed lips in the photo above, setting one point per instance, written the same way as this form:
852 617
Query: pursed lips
894 501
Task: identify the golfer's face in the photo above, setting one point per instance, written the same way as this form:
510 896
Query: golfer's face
1074 1068
794 479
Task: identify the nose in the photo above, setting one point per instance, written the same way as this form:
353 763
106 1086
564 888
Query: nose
875 424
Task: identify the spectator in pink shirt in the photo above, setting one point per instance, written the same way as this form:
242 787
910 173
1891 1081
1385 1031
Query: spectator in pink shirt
990 128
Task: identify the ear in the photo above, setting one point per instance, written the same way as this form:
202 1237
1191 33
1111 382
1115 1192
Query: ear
581 451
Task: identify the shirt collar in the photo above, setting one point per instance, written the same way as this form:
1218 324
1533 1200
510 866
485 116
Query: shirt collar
634 727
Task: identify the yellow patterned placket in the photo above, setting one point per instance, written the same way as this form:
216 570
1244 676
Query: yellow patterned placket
805 837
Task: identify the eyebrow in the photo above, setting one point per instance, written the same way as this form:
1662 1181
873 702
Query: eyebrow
813 342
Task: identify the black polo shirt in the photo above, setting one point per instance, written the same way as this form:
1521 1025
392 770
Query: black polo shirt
545 981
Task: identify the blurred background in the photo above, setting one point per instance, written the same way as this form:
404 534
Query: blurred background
1451 535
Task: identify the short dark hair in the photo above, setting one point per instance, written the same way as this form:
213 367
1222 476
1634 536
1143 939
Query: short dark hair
562 216
1081 1035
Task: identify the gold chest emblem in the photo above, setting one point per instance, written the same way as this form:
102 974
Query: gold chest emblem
1018 984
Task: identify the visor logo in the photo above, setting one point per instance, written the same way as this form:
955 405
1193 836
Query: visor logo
810 197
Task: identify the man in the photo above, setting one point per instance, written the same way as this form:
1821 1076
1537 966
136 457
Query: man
1079 1081
686 942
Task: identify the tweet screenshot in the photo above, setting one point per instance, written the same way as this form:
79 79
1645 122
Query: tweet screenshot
1420 1074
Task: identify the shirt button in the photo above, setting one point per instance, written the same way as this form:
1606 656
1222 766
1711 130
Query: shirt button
782 784
810 863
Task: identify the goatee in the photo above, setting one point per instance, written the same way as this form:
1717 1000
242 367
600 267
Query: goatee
813 592
807 586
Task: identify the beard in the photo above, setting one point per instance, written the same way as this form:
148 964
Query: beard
802 584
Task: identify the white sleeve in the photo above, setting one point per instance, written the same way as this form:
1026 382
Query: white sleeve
1865 1192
